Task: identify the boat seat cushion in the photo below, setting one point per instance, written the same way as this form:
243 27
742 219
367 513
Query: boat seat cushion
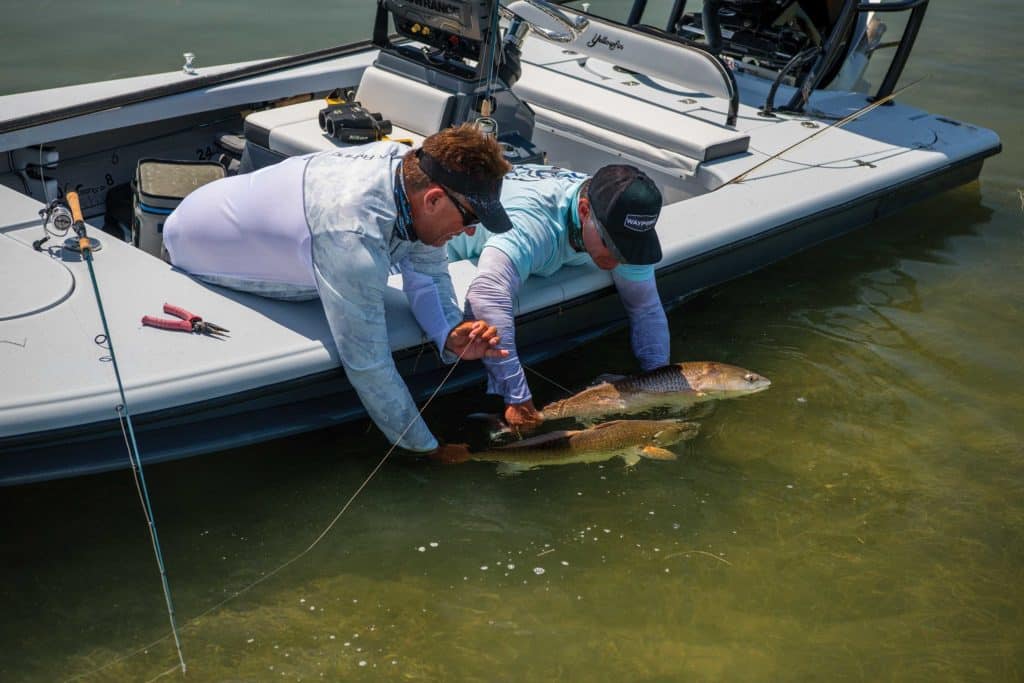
629 149
276 134
408 104
628 117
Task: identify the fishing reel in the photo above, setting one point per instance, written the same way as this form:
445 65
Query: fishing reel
58 213
59 216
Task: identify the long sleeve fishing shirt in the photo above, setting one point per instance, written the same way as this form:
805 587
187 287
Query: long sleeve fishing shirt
335 224
541 201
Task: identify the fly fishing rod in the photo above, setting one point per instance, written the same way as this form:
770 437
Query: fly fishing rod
85 245
279 568
838 124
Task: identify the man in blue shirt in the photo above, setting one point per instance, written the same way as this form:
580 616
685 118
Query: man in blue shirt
562 217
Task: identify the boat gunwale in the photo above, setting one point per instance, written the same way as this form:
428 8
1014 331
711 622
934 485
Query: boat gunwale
198 83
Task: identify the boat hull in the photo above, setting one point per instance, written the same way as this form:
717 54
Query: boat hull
325 398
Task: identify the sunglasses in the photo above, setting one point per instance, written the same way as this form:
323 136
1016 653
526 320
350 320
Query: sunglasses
468 218
607 241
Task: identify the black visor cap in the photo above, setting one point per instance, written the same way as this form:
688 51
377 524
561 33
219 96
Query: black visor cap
482 193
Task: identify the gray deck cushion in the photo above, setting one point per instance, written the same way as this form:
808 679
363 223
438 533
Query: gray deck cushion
294 130
629 117
408 104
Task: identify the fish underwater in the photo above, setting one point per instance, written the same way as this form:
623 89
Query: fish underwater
632 440
677 385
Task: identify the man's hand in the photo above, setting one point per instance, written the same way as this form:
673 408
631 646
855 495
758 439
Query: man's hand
450 453
474 340
522 417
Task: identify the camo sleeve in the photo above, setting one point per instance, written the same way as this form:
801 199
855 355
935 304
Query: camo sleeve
490 298
648 325
351 275
428 287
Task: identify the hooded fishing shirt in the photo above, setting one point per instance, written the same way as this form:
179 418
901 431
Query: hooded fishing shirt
542 202
335 224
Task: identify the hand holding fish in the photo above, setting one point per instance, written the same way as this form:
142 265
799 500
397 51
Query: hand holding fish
523 416
474 340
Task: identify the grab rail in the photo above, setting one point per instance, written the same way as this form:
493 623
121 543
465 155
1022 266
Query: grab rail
836 44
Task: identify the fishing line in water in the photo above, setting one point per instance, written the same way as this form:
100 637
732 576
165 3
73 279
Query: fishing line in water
134 456
279 569
547 379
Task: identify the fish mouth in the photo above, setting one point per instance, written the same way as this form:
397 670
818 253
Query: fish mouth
758 382
754 386
762 385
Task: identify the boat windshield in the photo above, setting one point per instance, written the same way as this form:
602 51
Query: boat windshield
875 39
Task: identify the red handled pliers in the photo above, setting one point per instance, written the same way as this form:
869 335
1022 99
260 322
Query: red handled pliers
188 323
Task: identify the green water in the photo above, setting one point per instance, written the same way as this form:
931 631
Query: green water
862 520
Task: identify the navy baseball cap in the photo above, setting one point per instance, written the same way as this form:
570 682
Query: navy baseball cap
627 204
482 193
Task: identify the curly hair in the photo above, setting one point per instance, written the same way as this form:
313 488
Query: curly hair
464 149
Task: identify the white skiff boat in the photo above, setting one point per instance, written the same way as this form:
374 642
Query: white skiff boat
696 101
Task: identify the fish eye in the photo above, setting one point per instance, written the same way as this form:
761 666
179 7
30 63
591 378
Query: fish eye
750 377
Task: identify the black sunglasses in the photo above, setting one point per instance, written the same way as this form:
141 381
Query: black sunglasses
606 241
468 219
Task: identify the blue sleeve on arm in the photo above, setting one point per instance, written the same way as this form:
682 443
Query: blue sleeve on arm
648 323
490 298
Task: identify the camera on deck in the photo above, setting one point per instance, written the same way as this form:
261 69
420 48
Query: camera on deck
351 123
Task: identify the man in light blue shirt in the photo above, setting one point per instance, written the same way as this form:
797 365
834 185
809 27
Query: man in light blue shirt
561 217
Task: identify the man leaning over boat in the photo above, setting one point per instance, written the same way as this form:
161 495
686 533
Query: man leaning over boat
560 218
332 225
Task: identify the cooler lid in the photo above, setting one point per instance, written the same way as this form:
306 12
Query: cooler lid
173 180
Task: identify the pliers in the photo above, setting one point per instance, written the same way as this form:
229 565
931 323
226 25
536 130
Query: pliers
188 323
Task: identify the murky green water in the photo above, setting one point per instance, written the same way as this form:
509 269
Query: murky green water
861 520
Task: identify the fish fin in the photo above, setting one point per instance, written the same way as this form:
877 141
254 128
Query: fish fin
631 458
606 378
698 410
657 453
510 469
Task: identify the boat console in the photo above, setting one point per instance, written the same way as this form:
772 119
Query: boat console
456 30
444 71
